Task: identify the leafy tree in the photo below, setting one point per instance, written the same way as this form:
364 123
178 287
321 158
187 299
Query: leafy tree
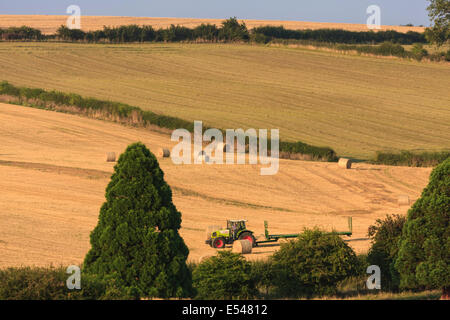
224 276
424 250
419 51
136 242
385 235
70 34
263 275
207 32
232 30
313 264
439 13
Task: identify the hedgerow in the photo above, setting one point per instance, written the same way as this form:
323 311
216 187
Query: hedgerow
411 159
53 99
123 113
341 36
229 31
317 153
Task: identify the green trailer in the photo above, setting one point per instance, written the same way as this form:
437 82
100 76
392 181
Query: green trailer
269 238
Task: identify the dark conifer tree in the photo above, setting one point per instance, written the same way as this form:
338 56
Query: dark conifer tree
424 248
136 241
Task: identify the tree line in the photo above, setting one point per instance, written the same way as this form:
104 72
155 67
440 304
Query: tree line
231 30
339 35
21 33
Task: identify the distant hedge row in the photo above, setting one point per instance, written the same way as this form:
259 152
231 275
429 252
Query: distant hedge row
120 112
115 110
393 49
229 31
21 33
418 52
341 36
317 153
412 159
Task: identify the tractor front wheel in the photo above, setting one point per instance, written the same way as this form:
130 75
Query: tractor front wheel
248 236
219 243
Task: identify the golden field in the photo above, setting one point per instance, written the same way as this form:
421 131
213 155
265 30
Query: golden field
53 176
355 104
48 24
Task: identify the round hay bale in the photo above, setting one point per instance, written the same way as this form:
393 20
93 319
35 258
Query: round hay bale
111 157
211 229
345 163
403 200
163 153
242 246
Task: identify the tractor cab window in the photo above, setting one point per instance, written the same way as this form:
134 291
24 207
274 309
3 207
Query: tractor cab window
235 226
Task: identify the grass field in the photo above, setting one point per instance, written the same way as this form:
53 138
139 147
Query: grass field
53 176
356 105
49 23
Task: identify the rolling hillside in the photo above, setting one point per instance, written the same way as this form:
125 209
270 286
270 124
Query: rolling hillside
53 176
355 104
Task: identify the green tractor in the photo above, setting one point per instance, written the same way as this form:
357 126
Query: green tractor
235 230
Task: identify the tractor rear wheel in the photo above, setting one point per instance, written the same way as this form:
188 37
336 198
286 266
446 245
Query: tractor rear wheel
248 236
219 243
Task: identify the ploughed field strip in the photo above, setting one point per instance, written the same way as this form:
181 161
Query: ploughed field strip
354 104
53 175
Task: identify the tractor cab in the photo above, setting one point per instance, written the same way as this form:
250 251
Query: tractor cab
235 226
235 230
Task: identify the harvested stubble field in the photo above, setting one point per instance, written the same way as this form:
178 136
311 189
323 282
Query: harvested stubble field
356 105
50 23
53 174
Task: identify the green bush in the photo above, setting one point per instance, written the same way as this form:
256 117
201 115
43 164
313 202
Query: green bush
232 30
65 33
313 265
224 276
419 51
385 235
259 38
33 283
263 276
316 153
49 283
206 32
136 241
411 159
424 248
355 284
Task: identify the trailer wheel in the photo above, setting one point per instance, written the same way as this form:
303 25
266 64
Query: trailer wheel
219 243
248 236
